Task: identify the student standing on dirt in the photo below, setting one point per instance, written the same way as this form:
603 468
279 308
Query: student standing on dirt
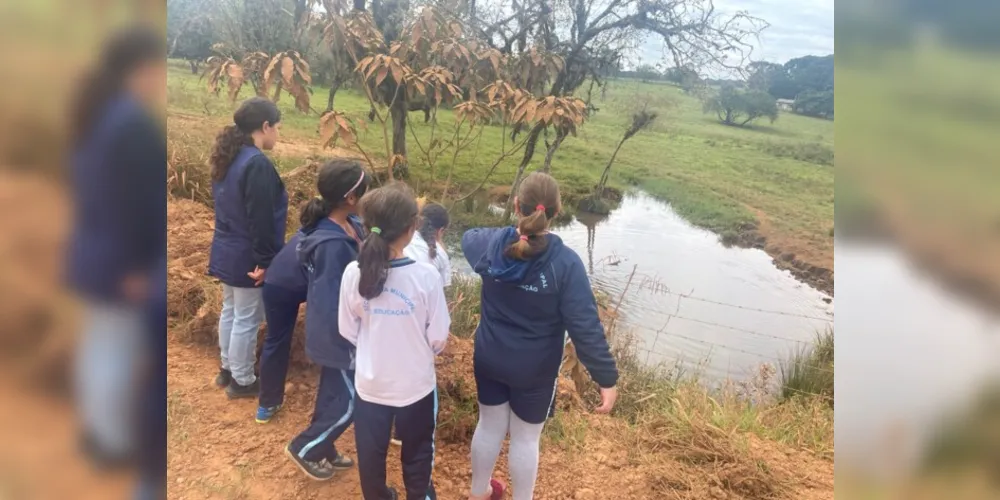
119 233
429 249
251 205
534 290
284 291
333 234
394 310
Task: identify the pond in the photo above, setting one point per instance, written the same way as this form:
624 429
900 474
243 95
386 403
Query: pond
908 354
693 302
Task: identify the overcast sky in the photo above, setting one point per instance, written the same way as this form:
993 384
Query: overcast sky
797 28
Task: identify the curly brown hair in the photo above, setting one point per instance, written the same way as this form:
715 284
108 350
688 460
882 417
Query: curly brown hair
250 117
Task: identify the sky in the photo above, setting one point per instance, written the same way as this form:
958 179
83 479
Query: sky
797 28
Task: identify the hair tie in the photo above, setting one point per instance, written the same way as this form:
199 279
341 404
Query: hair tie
540 207
524 237
376 230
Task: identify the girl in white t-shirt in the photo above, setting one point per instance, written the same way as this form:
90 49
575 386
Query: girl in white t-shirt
394 310
428 246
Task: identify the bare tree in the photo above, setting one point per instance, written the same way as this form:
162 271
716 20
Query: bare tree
592 35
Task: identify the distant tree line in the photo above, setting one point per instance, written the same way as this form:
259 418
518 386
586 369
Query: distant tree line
806 80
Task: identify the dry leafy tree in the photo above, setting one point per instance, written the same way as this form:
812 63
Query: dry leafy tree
221 71
437 61
290 72
286 70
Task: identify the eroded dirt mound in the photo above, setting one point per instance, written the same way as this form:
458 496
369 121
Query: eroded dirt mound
195 299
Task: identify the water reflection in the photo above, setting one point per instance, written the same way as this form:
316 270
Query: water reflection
908 353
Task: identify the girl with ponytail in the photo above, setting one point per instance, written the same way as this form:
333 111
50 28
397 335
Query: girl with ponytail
535 290
428 246
331 237
394 310
251 206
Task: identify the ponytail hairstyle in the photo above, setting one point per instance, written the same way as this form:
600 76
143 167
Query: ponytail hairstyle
435 218
124 53
390 213
249 118
537 202
338 179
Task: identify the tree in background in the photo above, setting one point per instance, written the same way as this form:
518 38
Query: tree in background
772 78
588 34
190 31
815 103
809 78
647 72
739 107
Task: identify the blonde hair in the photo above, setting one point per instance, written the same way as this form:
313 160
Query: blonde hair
537 202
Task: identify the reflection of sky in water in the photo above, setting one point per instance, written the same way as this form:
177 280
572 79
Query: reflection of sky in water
906 351
674 257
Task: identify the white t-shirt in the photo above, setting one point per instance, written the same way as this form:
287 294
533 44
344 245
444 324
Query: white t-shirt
397 334
418 251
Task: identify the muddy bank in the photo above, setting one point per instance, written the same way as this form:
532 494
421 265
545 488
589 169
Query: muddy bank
749 236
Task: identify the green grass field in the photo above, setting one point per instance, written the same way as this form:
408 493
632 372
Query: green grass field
718 177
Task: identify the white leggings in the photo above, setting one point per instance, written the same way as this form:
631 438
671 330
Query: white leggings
494 423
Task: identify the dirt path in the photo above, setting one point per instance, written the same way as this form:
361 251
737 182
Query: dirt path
217 451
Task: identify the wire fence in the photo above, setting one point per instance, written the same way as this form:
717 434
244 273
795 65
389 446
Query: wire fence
668 317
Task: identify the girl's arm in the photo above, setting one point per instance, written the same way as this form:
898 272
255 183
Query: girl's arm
349 318
261 190
578 308
438 320
445 266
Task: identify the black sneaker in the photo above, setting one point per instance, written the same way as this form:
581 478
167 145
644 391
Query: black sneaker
341 462
319 471
224 378
393 494
237 391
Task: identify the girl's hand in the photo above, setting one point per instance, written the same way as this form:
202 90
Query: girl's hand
257 275
135 287
608 398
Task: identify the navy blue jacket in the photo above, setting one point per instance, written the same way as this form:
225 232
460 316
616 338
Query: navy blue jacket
119 187
286 271
527 306
251 207
326 250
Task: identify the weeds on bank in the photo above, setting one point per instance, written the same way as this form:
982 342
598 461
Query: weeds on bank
652 399
809 371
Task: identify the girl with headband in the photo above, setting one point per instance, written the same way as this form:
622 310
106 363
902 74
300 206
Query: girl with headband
332 235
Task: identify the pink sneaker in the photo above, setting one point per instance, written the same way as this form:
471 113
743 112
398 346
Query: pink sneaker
498 489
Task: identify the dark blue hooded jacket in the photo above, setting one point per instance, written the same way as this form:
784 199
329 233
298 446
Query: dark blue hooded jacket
527 306
286 271
326 250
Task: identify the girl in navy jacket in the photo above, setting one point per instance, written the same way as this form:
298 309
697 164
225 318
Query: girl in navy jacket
535 290
332 234
251 205
284 291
